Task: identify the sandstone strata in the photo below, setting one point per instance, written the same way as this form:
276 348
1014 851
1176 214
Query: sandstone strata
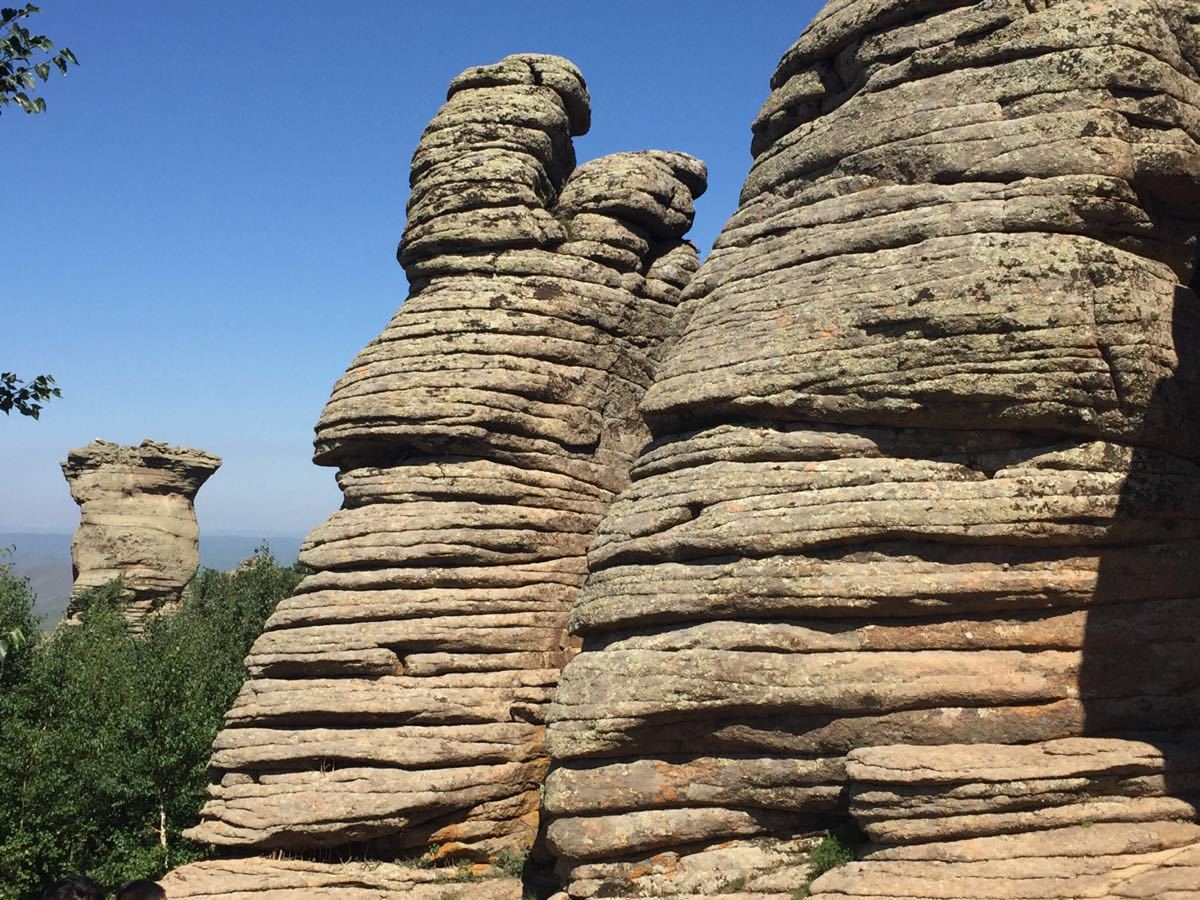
397 700
137 519
924 473
300 879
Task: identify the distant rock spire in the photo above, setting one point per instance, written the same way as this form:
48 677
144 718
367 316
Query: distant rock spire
137 520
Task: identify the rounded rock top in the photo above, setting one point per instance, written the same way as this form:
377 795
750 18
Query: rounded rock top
555 72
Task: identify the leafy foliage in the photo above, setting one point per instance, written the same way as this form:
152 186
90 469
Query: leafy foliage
831 853
25 59
17 629
511 862
107 734
26 397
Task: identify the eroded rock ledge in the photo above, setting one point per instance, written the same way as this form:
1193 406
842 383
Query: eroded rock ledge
137 520
397 700
924 474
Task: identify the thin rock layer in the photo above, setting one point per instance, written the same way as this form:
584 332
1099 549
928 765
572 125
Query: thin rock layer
397 699
925 463
137 520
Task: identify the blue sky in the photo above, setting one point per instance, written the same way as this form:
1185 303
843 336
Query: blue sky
202 227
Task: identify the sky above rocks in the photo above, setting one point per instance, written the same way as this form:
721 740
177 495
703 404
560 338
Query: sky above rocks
202 227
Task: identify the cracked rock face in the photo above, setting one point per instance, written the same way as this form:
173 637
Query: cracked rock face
397 700
924 474
137 519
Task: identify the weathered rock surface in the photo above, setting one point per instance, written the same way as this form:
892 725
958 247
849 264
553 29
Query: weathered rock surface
924 470
909 795
1143 861
137 519
1079 817
262 878
397 700
750 868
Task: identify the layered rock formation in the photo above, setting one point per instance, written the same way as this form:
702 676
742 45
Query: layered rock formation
924 475
279 878
137 520
397 700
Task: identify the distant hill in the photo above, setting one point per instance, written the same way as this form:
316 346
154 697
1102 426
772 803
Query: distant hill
45 559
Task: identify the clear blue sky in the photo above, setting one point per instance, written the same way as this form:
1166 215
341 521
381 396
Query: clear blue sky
202 227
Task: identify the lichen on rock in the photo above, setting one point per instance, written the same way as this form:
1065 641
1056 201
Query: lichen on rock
924 471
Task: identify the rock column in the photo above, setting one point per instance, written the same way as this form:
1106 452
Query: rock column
924 475
137 520
396 705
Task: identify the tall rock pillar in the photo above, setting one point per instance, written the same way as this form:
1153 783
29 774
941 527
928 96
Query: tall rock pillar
396 705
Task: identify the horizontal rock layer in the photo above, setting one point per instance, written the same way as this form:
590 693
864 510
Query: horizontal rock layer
751 868
1143 861
397 699
262 878
909 795
924 469
137 520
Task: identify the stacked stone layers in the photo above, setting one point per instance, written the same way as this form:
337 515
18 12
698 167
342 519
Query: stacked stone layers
1080 817
396 701
137 520
300 879
925 460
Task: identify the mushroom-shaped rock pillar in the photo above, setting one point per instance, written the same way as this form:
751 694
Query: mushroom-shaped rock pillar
137 520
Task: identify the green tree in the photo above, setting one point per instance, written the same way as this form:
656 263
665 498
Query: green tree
106 734
26 59
25 62
26 397
18 628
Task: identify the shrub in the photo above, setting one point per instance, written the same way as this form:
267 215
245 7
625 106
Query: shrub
511 862
830 853
107 734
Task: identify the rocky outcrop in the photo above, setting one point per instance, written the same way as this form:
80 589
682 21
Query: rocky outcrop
397 700
924 473
137 520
